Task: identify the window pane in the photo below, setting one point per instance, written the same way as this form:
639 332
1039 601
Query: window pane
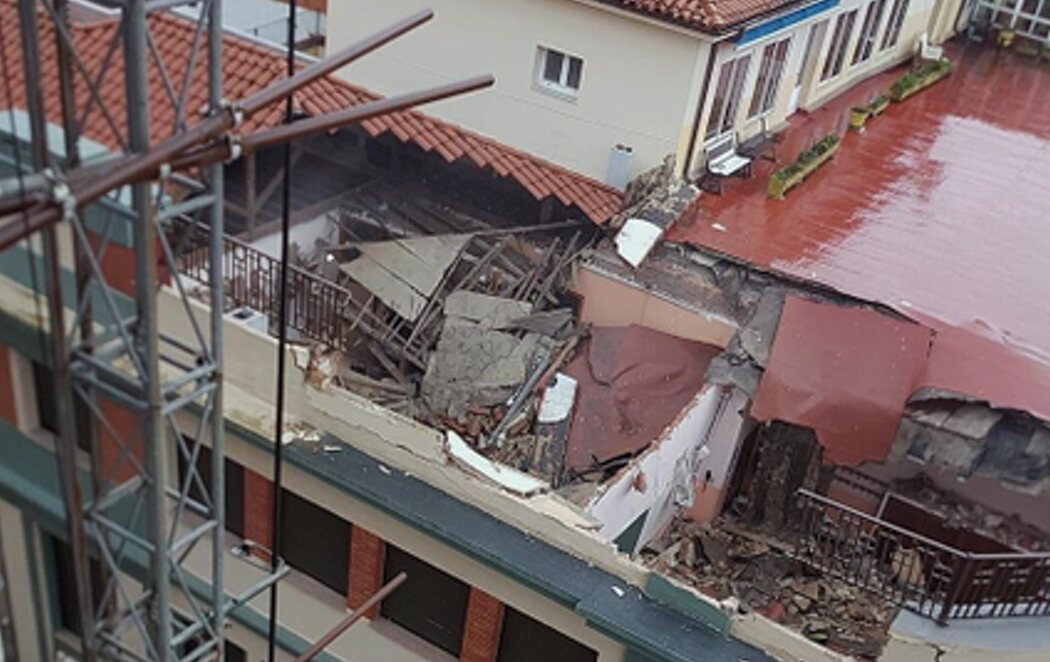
315 541
46 407
893 26
575 72
866 39
552 65
431 604
764 68
735 90
718 103
64 576
525 639
234 486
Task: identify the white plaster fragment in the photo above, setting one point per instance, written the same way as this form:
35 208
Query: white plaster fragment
558 399
509 479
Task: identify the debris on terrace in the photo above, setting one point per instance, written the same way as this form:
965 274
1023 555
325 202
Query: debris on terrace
727 560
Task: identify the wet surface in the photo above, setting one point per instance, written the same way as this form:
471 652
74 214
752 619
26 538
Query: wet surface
940 208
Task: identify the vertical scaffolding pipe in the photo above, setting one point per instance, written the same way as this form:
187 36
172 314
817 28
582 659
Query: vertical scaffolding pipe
215 249
66 452
145 240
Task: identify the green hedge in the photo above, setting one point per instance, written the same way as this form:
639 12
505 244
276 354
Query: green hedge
806 162
913 81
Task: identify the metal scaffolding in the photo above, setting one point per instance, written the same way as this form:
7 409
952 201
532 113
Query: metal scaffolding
133 516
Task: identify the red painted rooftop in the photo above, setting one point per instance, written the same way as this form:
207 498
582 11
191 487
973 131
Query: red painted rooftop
706 15
248 67
940 209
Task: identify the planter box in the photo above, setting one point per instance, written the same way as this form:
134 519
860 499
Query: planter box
877 107
911 83
778 187
857 117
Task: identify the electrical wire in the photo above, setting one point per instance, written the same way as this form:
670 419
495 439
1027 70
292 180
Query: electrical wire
282 340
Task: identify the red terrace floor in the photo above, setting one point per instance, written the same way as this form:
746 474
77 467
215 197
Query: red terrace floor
940 209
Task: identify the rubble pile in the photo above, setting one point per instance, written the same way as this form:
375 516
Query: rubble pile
960 513
725 560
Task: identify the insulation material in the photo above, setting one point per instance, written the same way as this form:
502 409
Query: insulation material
844 372
405 273
633 382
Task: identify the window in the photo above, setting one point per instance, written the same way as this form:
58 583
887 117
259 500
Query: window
234 486
559 71
893 26
47 407
315 541
525 639
727 96
770 70
839 42
866 40
65 584
233 652
431 604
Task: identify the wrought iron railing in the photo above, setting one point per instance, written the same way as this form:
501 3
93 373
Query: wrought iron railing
318 309
916 572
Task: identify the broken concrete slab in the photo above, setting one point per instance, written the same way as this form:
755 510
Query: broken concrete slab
488 312
472 365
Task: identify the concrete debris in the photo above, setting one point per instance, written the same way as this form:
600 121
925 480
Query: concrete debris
958 513
731 562
322 366
476 366
483 310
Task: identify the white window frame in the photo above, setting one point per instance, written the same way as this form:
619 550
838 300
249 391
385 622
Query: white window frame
868 36
767 98
731 105
895 24
838 45
562 86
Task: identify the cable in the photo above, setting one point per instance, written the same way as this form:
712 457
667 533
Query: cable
282 339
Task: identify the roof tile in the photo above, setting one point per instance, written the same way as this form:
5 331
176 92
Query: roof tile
249 67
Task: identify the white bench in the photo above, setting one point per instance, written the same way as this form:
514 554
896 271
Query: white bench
722 160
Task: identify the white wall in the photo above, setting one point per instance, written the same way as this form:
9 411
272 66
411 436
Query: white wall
303 234
637 74
621 502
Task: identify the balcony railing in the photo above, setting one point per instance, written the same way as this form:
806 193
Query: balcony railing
915 572
318 309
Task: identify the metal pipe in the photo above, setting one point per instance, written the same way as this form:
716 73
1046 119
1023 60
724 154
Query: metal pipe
136 84
314 125
295 81
352 618
217 297
63 390
282 340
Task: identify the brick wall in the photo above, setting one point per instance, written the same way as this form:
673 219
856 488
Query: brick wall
482 630
258 503
366 568
122 424
7 389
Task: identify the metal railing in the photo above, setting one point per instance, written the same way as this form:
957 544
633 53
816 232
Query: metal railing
318 309
916 572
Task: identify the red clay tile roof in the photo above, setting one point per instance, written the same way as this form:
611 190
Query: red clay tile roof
705 15
249 67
